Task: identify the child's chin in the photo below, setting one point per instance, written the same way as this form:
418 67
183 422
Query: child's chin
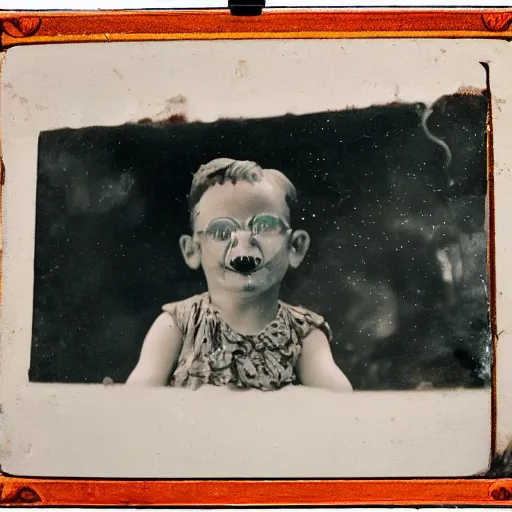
249 287
255 282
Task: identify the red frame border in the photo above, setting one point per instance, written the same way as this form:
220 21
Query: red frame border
28 28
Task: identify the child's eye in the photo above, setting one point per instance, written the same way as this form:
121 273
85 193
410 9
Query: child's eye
220 231
221 235
266 225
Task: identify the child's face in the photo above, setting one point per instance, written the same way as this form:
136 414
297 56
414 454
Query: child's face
242 238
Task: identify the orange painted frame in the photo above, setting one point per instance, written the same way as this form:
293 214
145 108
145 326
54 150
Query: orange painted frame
22 28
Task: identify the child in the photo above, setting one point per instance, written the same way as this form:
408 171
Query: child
239 334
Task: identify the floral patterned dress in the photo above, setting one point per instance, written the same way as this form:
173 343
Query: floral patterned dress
212 353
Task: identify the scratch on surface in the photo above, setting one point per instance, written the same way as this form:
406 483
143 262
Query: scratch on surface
435 139
107 38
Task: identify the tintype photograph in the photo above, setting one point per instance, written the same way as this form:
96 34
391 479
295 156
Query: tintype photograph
246 241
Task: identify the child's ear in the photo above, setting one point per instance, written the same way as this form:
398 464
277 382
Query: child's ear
299 245
191 251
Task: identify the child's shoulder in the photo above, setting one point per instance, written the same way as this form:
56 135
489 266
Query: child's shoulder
183 310
185 303
304 320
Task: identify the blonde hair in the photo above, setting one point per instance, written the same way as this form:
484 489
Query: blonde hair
222 170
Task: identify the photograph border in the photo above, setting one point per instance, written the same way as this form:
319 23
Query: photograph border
50 27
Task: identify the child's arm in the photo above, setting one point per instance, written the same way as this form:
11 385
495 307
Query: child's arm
160 351
316 366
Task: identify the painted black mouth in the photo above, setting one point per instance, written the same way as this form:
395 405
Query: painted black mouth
245 264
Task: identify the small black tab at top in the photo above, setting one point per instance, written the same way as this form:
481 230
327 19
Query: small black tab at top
246 7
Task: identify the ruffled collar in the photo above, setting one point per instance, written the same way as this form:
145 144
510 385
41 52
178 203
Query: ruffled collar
278 321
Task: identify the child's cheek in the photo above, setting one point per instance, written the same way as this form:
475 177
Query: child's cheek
210 263
278 267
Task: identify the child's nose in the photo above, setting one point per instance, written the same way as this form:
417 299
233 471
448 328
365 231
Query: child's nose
244 254
242 239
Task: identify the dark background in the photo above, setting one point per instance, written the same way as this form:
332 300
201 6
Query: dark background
378 202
